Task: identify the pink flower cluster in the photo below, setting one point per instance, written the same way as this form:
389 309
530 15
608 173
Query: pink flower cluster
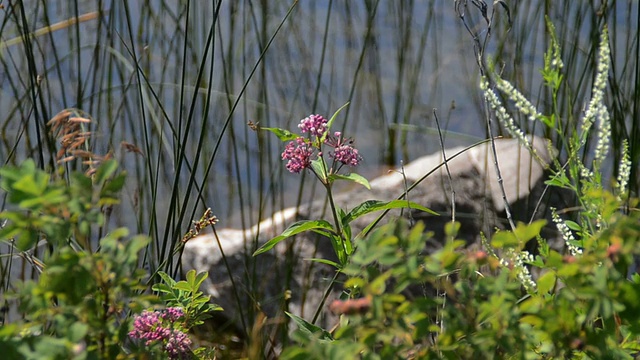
172 314
344 151
158 326
314 125
299 153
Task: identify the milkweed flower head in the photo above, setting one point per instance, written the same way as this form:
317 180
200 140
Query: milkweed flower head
298 154
343 152
314 125
301 152
163 327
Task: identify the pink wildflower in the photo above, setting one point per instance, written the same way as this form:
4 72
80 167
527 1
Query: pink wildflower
144 323
347 155
298 153
344 151
178 345
159 327
314 125
172 314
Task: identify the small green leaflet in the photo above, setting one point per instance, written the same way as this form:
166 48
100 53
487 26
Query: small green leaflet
309 328
370 206
282 134
295 228
330 122
359 179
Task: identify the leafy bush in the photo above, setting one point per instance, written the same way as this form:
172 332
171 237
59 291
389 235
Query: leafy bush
81 304
476 308
581 301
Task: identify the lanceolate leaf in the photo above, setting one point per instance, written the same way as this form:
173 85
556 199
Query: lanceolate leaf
330 122
318 167
352 177
325 261
309 328
294 229
282 134
370 206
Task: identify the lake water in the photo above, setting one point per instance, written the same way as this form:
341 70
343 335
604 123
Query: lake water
158 75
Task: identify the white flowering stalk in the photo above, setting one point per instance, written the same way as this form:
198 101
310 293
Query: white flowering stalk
567 235
501 113
596 107
517 260
586 173
553 60
485 244
523 105
624 171
604 135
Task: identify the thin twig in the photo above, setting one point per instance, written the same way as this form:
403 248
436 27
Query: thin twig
446 166
479 51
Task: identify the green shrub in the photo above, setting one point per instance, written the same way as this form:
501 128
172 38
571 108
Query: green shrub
89 304
583 301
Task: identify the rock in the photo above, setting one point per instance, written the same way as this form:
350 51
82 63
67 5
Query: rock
280 279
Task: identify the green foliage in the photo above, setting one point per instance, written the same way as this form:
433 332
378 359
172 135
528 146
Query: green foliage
186 294
452 304
78 307
580 302
81 304
58 211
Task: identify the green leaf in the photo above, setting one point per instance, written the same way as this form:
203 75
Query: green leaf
164 288
324 261
105 171
9 231
166 278
32 184
318 167
294 229
546 282
370 206
77 331
308 327
115 185
200 278
359 179
573 225
182 285
504 239
191 276
330 122
282 134
522 234
526 232
27 239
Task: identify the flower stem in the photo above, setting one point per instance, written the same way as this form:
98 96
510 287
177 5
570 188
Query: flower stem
345 253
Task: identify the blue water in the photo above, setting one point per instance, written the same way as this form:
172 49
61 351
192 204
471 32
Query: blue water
410 58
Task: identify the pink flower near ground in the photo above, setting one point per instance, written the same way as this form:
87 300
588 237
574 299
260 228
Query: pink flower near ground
178 345
159 327
172 314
